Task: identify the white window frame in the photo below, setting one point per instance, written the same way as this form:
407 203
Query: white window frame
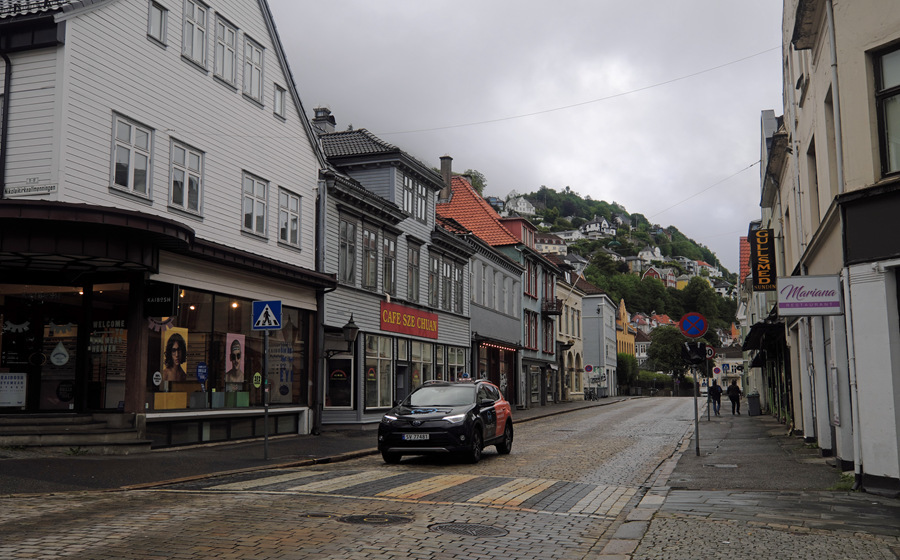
434 280
253 69
138 146
254 192
189 166
289 206
193 37
370 259
278 99
389 256
413 260
226 51
347 252
379 360
157 22
409 194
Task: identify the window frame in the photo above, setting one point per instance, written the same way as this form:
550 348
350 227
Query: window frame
256 200
163 20
190 21
370 258
883 95
434 274
278 101
347 252
389 264
413 267
290 196
221 44
253 90
132 148
446 285
185 168
457 283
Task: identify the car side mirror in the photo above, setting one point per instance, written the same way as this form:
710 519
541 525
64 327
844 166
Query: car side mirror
486 402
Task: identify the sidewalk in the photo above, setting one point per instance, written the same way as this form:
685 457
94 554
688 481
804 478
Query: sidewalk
24 472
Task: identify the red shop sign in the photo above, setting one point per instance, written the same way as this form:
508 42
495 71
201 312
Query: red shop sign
406 320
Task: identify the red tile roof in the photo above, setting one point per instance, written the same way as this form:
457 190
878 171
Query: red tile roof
745 258
474 213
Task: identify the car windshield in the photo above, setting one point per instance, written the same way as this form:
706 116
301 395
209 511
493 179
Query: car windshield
442 396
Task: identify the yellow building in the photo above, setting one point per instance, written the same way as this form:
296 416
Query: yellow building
624 332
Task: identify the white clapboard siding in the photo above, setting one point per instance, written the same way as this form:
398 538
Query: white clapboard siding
109 67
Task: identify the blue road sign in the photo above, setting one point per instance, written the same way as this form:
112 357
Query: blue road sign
693 325
267 315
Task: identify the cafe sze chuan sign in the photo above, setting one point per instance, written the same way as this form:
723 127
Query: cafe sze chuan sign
762 260
406 320
809 295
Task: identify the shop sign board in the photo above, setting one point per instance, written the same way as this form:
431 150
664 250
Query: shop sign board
800 296
762 259
12 389
408 320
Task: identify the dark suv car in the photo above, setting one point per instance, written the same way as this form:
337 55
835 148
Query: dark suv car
446 417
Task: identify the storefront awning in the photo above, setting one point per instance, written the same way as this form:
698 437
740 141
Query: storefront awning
759 360
758 332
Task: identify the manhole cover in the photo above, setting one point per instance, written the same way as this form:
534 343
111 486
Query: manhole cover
375 519
469 529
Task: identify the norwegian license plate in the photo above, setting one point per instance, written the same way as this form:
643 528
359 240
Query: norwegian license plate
411 437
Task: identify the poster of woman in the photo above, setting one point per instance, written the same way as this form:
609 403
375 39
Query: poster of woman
174 355
234 357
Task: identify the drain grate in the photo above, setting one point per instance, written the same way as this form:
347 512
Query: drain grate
316 515
375 519
469 529
721 466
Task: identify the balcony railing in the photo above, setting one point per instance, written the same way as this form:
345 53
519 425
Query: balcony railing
551 306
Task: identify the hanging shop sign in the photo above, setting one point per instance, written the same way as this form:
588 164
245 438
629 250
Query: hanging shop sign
801 296
762 259
406 320
160 299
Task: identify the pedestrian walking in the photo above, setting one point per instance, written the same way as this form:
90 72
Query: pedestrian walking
715 393
734 393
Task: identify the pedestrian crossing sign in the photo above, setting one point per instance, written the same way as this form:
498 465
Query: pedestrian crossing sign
267 315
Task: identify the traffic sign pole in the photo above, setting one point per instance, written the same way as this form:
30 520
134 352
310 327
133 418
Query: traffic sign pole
266 395
696 412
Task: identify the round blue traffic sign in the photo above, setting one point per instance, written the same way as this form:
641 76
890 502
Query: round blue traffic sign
693 325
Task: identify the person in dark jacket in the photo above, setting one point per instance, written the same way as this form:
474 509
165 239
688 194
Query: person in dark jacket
734 393
715 394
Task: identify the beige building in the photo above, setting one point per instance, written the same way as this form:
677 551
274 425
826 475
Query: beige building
830 192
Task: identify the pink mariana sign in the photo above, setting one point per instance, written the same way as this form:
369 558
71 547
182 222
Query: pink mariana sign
809 295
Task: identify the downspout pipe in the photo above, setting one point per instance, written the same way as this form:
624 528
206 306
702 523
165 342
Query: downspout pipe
326 178
4 122
845 273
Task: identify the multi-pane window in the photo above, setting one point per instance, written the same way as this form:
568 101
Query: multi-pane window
422 362
156 23
187 178
390 265
549 336
421 201
412 280
253 70
434 274
379 359
347 258
457 288
531 279
446 285
255 204
226 51
278 101
193 44
531 326
887 97
370 259
131 165
456 363
409 194
288 218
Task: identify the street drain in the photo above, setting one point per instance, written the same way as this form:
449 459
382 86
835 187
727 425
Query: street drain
722 466
319 515
375 519
469 529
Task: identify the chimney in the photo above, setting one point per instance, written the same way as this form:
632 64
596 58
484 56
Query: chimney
323 120
447 175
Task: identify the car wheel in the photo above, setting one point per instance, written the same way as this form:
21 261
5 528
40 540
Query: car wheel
505 446
390 458
477 446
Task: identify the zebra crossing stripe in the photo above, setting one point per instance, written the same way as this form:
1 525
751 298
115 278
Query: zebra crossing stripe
256 483
342 482
425 487
513 493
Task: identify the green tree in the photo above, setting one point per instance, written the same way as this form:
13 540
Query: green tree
626 369
478 180
664 352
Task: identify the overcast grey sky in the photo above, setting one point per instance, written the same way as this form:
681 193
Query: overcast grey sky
654 104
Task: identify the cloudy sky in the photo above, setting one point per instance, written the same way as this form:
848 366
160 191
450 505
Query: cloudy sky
653 104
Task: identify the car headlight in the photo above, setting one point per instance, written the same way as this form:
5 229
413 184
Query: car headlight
387 419
455 419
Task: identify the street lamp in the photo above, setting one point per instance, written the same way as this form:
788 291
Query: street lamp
350 331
